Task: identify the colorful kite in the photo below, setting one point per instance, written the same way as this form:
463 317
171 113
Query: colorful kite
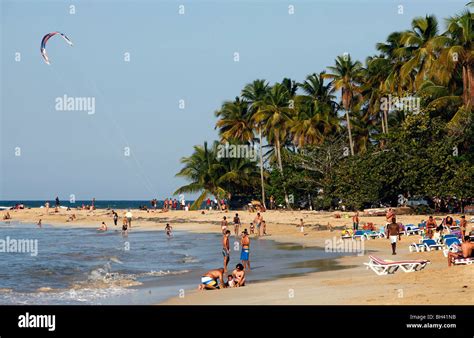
46 38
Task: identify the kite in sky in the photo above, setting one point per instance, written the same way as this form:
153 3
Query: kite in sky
45 40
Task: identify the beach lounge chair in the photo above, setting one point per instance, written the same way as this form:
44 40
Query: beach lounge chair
361 234
450 241
458 261
464 261
431 244
411 229
385 267
425 245
375 234
416 247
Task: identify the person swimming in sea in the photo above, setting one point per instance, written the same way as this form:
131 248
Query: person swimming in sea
168 229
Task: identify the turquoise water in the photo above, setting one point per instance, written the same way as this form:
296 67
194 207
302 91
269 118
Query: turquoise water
84 266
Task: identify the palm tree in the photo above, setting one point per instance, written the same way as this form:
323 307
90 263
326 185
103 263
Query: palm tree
397 55
374 89
202 168
347 76
459 54
313 120
274 114
424 45
211 174
316 90
255 93
234 121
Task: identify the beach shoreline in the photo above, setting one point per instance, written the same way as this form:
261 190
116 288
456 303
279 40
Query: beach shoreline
435 285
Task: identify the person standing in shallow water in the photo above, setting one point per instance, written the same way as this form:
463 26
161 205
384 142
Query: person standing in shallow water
168 229
115 216
245 253
129 216
226 249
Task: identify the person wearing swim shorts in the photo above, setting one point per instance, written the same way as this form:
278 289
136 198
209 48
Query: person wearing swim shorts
258 222
226 249
212 280
245 253
393 233
236 224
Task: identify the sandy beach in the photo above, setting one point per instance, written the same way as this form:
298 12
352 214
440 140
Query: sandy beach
437 284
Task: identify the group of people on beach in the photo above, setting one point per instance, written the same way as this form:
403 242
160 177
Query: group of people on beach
126 222
214 279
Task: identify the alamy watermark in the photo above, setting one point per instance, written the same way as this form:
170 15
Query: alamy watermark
227 150
337 244
406 103
12 245
71 103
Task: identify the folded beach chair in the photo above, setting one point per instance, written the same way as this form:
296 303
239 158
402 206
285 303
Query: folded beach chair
385 267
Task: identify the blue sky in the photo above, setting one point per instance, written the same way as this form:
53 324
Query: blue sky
173 57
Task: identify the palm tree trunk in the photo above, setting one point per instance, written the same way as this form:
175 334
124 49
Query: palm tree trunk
280 166
351 145
383 123
465 85
261 167
385 116
470 83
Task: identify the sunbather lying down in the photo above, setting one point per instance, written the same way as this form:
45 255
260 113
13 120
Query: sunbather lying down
466 251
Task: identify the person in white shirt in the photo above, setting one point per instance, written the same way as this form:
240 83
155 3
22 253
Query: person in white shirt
129 216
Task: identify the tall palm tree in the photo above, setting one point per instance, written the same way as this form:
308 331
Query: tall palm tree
459 54
397 55
347 76
255 93
374 89
424 45
274 114
316 90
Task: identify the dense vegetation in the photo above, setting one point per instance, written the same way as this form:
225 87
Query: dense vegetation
357 133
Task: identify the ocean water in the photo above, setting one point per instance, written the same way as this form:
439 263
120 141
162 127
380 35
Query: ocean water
103 204
84 266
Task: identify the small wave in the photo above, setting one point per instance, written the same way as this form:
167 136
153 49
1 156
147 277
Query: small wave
161 273
189 259
66 297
